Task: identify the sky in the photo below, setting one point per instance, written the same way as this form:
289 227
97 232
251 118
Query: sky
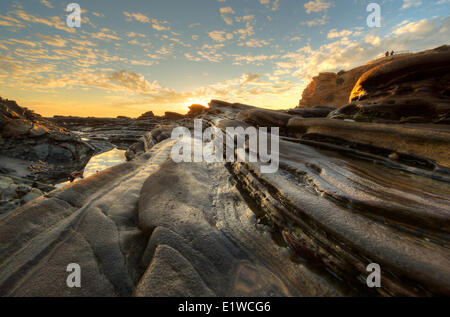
130 57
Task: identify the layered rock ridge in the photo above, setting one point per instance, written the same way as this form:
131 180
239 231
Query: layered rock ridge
353 188
35 153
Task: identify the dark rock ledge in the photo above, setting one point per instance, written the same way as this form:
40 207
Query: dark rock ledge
353 188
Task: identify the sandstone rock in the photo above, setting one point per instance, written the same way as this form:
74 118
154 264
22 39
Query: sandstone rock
151 138
147 115
423 142
173 116
393 88
331 89
38 130
346 194
10 193
314 112
29 138
18 128
32 195
59 155
106 133
5 182
22 190
3 120
413 86
42 151
7 206
265 118
196 110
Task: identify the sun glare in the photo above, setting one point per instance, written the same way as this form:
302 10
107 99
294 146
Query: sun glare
197 101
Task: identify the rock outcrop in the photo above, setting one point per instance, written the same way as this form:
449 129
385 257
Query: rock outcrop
408 88
334 89
34 154
196 110
146 116
414 89
29 137
339 201
173 116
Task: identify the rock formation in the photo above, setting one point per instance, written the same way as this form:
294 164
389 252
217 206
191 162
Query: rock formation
334 89
147 115
173 116
347 194
414 89
34 154
196 110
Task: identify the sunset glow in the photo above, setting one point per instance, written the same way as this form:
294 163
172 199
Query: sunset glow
131 57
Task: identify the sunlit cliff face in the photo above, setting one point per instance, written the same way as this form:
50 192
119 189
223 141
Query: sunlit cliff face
127 58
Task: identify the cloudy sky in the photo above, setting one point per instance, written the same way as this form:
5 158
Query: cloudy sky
133 56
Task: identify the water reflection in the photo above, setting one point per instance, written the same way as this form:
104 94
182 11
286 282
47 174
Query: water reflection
101 162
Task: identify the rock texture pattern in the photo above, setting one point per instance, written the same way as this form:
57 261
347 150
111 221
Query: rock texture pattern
347 194
151 227
333 89
34 153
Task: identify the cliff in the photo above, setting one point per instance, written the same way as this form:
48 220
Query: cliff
333 89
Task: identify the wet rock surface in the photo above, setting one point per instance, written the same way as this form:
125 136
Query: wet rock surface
412 89
333 89
151 227
106 133
35 153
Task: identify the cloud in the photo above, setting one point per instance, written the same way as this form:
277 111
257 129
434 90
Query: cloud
220 36
252 59
336 34
411 3
54 40
24 42
418 28
192 58
134 34
372 39
315 22
10 21
97 14
134 82
275 4
142 18
249 30
55 21
137 17
46 3
345 53
105 34
209 52
225 12
256 43
316 6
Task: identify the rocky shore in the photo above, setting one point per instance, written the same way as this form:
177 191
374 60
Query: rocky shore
121 132
365 180
35 153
